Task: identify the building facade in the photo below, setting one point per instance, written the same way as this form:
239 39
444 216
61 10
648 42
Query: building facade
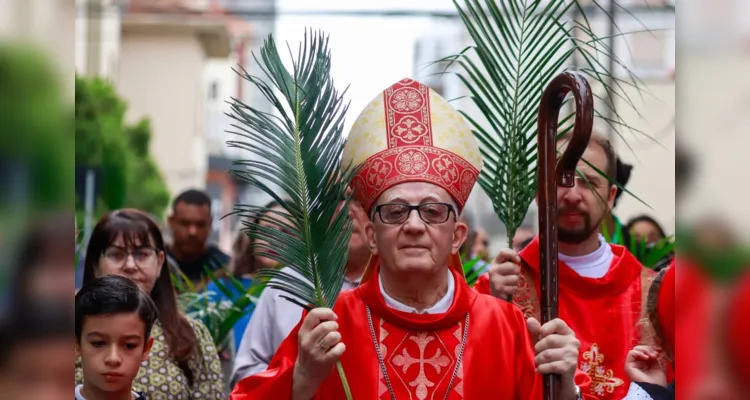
156 52
253 21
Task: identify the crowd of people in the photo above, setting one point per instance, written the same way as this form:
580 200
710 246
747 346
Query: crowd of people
407 324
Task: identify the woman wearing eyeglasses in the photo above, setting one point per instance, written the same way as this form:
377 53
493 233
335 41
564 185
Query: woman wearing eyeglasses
183 363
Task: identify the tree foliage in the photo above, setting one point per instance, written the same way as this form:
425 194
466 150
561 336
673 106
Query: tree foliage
36 141
129 177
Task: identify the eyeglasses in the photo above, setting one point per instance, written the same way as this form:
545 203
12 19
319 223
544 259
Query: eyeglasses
430 213
143 256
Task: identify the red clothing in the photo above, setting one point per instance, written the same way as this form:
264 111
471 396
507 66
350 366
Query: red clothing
420 352
605 313
665 307
701 359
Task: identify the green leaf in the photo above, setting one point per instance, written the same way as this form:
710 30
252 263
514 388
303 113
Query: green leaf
519 46
650 256
605 232
130 176
181 281
658 252
469 272
220 316
216 281
298 149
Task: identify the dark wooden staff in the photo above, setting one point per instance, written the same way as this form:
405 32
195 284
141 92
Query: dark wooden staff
551 173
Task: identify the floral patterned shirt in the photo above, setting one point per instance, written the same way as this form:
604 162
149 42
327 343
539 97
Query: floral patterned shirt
160 378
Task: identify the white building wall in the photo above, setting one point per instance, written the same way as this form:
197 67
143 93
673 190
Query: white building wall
220 84
161 76
110 24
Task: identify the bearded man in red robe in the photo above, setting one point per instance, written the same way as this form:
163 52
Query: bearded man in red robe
414 329
603 287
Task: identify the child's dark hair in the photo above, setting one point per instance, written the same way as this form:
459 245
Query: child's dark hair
113 294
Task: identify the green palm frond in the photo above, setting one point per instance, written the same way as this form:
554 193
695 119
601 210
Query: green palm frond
220 311
217 313
235 307
300 151
181 281
653 256
471 272
519 46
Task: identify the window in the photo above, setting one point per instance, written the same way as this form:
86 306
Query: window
213 91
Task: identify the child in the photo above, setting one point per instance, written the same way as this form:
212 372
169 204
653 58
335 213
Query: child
113 336
644 365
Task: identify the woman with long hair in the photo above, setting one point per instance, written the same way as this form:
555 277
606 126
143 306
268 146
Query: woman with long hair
243 266
245 263
183 363
645 229
647 233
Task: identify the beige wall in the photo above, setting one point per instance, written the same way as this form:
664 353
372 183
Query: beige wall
652 177
713 121
161 77
109 41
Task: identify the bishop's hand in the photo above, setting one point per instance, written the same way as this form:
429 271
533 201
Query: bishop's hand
505 274
320 347
556 348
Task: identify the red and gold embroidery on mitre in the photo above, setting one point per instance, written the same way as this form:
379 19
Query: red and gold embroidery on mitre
409 133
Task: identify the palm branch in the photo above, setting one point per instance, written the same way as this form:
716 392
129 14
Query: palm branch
219 315
519 46
183 283
470 271
299 150
653 256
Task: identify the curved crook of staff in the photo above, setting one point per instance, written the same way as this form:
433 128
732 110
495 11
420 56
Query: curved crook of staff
552 172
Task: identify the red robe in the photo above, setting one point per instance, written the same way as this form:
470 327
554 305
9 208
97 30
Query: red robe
420 352
605 313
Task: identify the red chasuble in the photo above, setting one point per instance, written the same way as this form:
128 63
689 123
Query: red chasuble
420 352
605 313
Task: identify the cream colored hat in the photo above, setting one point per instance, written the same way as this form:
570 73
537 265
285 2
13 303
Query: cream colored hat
411 134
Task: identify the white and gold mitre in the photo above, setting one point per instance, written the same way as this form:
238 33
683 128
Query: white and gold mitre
409 133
